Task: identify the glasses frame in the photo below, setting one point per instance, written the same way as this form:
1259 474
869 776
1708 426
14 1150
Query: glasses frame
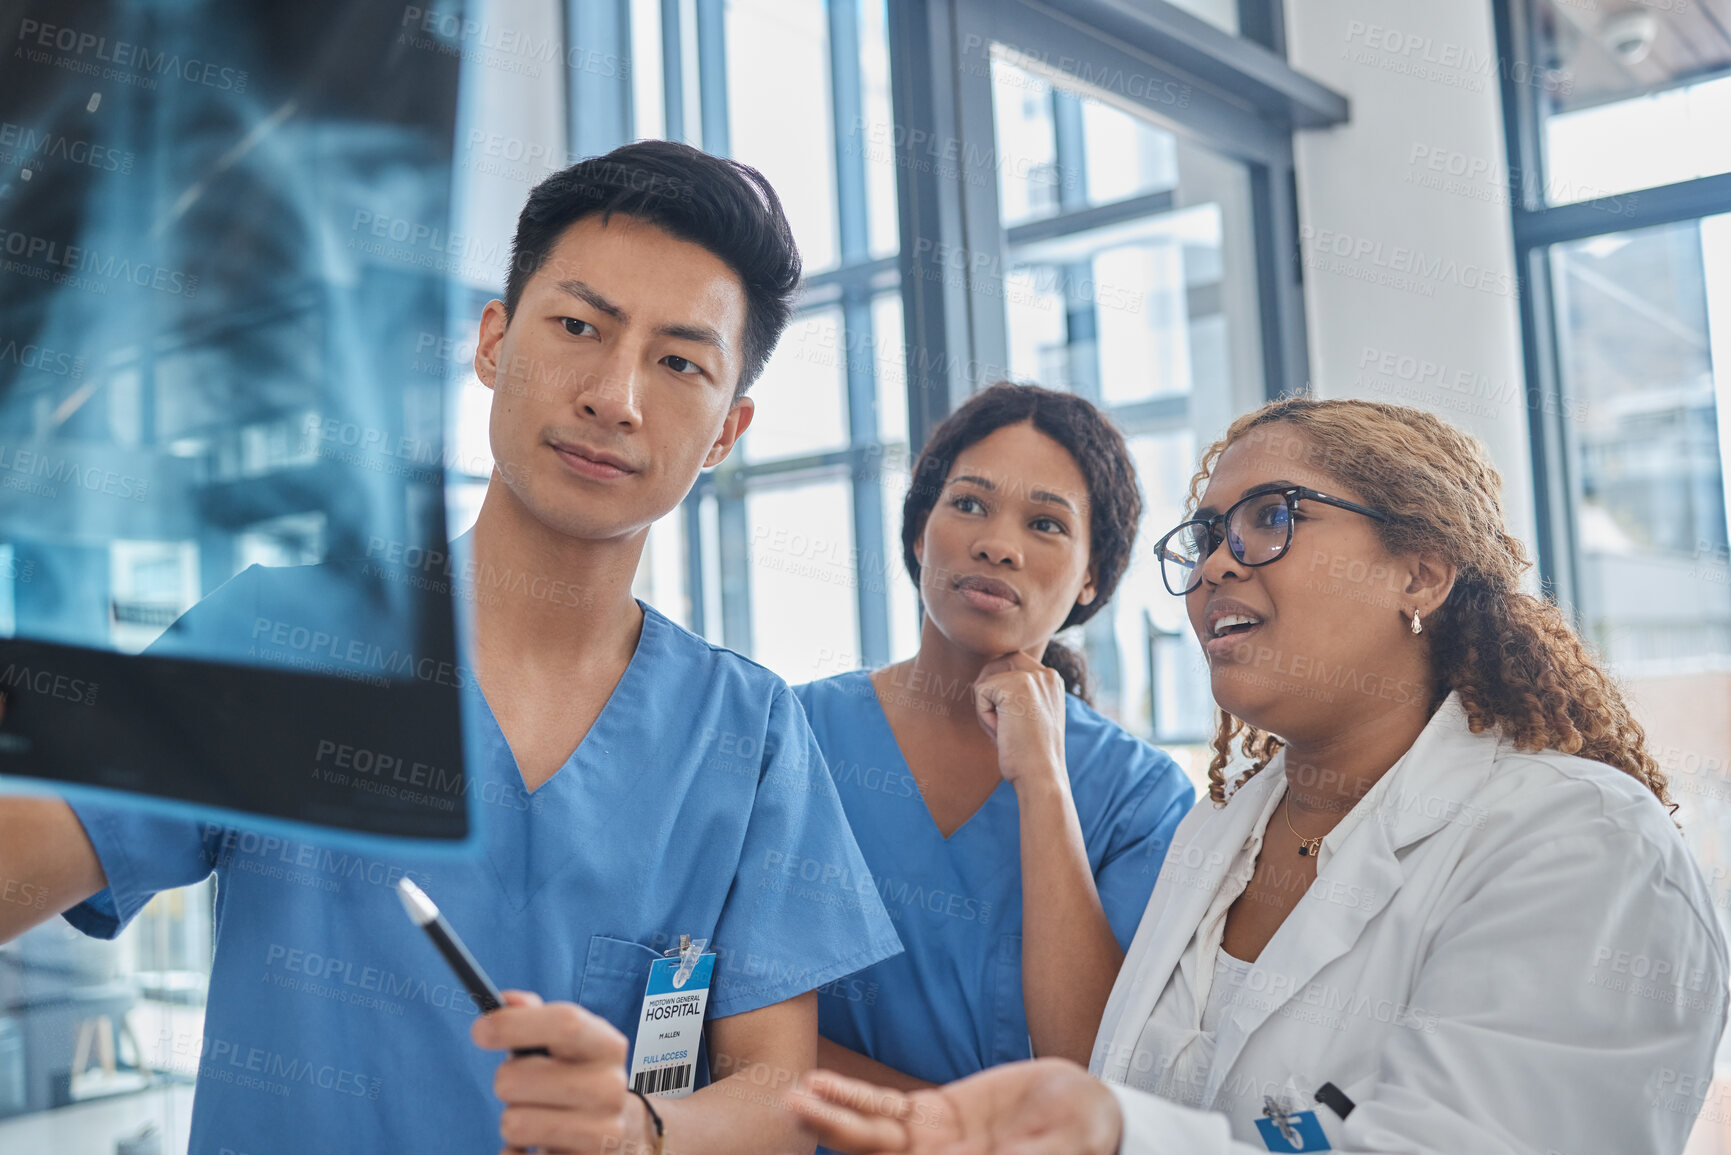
1216 528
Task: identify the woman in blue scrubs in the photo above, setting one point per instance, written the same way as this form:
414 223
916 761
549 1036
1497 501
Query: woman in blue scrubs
1013 833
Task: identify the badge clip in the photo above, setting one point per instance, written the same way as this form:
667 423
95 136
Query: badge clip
1287 1130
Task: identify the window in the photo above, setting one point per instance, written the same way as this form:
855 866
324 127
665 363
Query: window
1630 95
1133 280
1620 142
1636 329
802 509
738 561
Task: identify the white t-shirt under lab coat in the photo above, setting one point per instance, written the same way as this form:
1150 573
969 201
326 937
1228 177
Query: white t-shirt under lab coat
1503 952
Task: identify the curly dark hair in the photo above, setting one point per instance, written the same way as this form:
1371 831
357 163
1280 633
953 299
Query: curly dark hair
1513 658
1114 499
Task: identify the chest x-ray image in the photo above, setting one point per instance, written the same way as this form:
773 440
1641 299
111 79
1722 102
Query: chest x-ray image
223 579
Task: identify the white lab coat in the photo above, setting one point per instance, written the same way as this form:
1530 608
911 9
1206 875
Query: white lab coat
1507 953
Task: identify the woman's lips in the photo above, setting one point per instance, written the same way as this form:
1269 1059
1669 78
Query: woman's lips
989 602
988 594
1226 645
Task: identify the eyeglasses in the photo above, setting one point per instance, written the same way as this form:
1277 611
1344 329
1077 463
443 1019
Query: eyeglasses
1257 529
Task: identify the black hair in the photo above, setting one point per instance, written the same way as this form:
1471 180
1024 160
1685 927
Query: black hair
1114 499
727 207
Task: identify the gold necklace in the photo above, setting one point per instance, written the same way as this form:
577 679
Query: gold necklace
1307 847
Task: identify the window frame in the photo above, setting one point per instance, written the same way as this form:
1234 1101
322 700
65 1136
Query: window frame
1537 227
1242 100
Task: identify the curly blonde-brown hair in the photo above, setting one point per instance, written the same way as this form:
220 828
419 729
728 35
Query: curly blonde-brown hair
1513 658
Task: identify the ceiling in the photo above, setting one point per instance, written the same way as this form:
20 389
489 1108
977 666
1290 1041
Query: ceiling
1691 41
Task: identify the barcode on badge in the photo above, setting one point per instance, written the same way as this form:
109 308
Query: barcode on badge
662 1079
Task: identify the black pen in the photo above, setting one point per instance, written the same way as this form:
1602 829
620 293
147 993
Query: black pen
426 915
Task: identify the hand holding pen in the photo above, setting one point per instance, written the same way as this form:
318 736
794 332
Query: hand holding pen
564 1085
426 915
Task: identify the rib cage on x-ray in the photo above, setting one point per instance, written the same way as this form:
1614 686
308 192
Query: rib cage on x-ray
224 234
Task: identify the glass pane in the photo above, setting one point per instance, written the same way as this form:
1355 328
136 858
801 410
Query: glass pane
709 534
1631 95
1223 14
1124 156
804 615
1028 180
471 452
660 578
780 118
1644 336
648 95
876 134
1164 463
463 505
1111 155
802 395
1163 305
1144 346
146 990
891 368
904 602
515 133
1036 329
1637 364
1162 688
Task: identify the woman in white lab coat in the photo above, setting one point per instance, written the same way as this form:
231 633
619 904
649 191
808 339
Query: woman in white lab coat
1441 905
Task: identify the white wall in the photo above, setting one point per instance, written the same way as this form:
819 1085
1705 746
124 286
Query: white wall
1410 288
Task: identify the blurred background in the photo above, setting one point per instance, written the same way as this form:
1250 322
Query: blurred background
1515 213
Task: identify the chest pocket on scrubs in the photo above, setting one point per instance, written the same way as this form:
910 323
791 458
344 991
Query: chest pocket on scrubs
615 975
1009 1013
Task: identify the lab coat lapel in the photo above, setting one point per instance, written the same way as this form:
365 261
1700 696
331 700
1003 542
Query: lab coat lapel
1203 848
1420 794
1323 927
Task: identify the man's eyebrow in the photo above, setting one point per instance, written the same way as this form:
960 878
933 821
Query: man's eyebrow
1204 512
702 334
592 297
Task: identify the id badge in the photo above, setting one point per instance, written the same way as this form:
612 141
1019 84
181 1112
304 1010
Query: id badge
664 1060
1293 1131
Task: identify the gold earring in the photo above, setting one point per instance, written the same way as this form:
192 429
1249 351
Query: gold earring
1416 628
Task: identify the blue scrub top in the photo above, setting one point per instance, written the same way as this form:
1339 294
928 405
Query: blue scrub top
951 1004
333 1024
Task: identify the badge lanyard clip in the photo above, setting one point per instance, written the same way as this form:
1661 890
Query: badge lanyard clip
689 952
1284 1128
1282 1117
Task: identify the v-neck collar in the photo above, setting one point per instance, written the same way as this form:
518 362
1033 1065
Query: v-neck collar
652 622
993 800
462 552
533 835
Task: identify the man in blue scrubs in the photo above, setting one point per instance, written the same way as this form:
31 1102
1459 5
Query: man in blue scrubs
631 783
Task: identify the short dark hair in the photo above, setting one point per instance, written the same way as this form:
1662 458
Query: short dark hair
727 207
1114 499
